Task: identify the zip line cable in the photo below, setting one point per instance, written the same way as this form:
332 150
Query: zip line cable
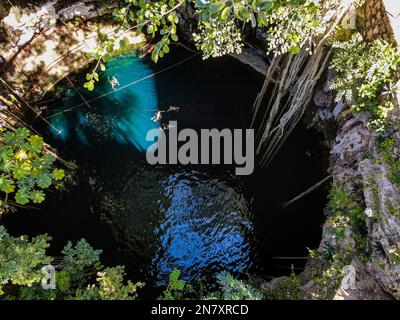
76 89
18 119
83 41
122 87
30 107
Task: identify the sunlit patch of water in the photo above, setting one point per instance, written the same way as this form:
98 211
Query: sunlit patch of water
126 115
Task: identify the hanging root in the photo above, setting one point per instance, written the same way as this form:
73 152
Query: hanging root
308 191
296 80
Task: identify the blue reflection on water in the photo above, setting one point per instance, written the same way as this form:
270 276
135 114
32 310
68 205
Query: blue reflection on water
205 227
124 115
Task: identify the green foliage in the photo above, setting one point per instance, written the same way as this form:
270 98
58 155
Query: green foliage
80 256
327 251
387 147
290 25
394 253
21 260
365 72
110 286
233 289
331 277
287 289
345 212
217 39
26 169
229 288
177 288
346 215
63 279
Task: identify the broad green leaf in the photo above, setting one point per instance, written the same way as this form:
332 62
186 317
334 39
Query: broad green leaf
22 170
6 185
22 133
37 196
58 174
36 143
225 13
216 7
43 180
21 197
243 14
6 152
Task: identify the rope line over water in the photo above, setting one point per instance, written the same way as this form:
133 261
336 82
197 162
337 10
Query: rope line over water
86 102
29 106
83 42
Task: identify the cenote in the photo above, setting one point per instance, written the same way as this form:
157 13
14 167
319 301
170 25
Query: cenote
198 219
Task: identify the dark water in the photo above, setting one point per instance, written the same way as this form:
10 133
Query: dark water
199 219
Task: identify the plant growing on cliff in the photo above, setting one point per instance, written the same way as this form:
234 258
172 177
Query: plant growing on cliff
342 205
387 147
233 289
292 25
363 70
331 277
286 289
26 168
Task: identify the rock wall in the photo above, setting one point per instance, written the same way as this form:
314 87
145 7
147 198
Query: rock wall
358 163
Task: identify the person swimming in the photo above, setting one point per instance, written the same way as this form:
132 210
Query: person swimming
173 108
157 116
113 82
165 127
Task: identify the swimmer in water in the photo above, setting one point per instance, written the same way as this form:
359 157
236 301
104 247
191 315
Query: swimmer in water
157 116
173 108
113 82
165 127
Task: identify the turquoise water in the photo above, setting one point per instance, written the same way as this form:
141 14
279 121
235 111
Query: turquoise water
126 116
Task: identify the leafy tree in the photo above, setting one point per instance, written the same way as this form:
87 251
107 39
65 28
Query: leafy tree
289 24
110 286
22 260
26 168
80 256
